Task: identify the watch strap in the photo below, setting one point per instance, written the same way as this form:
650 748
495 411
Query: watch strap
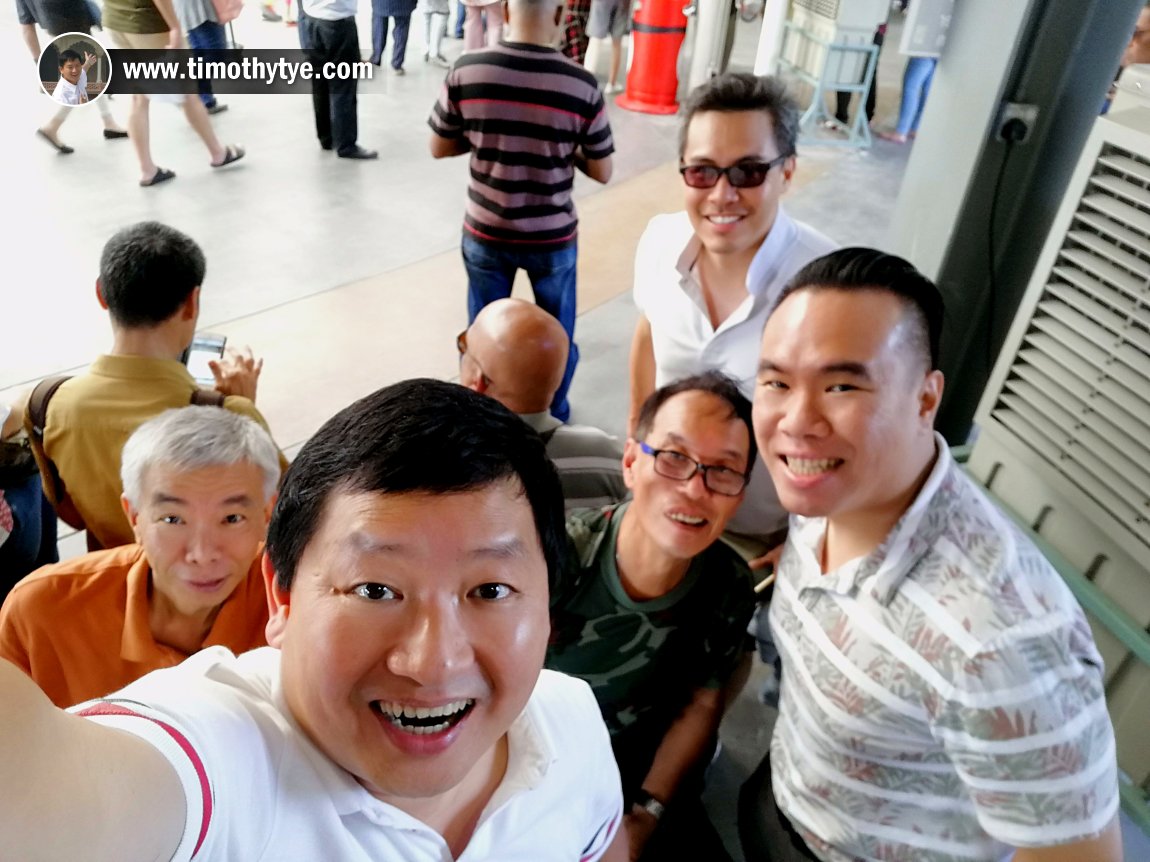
649 803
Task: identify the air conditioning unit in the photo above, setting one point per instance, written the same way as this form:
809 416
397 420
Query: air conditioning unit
1064 424
844 22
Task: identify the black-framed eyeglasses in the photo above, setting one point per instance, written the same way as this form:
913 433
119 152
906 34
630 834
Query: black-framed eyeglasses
461 346
741 175
675 465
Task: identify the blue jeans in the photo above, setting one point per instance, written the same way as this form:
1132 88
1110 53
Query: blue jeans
460 14
33 540
490 274
207 37
915 87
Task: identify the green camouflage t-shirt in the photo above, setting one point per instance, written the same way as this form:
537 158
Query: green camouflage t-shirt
644 659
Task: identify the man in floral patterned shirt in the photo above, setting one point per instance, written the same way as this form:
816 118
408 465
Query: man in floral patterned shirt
942 696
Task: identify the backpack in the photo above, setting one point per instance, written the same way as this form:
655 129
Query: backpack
35 420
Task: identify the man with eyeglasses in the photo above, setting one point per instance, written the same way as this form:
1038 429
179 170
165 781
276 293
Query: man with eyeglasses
706 277
653 608
516 353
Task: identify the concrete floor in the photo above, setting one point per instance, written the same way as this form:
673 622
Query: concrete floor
346 276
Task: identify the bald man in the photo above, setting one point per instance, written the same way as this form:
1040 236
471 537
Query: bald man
516 353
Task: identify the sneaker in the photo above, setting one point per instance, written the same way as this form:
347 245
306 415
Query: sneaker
217 108
399 70
612 89
270 14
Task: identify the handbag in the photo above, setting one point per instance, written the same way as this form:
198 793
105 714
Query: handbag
16 463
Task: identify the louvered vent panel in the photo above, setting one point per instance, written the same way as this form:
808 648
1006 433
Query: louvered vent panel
1077 393
825 8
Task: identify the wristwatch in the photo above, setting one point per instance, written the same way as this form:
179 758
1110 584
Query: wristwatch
649 803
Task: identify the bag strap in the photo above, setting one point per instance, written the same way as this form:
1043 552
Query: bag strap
36 415
35 421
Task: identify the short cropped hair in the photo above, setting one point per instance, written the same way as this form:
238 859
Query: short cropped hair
870 269
66 56
714 382
147 271
417 436
195 437
742 91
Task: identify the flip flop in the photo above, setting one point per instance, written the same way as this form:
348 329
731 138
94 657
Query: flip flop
232 153
162 175
62 149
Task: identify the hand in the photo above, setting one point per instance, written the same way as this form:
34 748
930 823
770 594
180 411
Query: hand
175 39
237 373
768 560
640 825
89 60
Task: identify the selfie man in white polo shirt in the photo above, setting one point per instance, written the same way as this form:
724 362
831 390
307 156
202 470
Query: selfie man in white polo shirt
400 713
706 277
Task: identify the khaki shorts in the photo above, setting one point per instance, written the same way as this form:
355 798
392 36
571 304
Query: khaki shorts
138 41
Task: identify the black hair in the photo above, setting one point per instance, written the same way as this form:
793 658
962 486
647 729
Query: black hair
870 269
713 382
741 91
66 56
147 271
416 436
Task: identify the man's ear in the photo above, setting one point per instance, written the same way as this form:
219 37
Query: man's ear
630 453
930 397
132 514
100 295
190 310
279 604
788 171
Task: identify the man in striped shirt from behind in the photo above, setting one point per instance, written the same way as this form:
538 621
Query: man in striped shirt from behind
529 117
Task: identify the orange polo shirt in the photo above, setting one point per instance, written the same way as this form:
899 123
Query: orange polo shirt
80 628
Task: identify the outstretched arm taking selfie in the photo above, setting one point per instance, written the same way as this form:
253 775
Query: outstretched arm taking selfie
73 789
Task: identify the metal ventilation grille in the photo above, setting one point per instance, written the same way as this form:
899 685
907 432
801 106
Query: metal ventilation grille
1078 390
825 8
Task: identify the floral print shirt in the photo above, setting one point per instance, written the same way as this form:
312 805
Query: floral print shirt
942 697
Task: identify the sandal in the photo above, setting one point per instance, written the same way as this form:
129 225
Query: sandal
162 175
232 153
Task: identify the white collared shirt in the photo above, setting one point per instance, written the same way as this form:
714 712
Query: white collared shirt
669 295
258 789
329 10
941 697
72 94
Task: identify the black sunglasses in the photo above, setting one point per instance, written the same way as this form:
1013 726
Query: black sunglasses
741 175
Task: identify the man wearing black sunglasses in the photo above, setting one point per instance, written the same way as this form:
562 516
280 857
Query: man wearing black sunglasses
705 278
652 608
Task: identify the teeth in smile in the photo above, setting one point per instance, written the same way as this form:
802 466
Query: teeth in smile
809 467
687 519
725 219
421 720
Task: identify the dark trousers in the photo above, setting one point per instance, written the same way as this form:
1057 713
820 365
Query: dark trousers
843 100
379 36
336 125
684 831
764 831
205 39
